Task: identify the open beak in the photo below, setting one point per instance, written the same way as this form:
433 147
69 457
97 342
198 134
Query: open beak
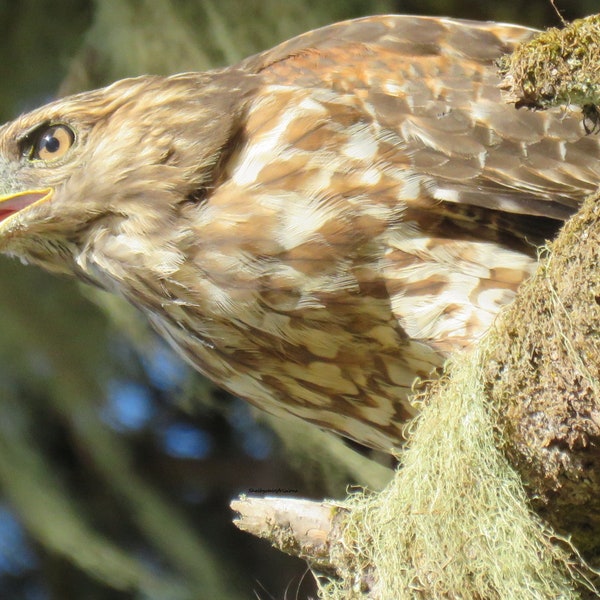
13 203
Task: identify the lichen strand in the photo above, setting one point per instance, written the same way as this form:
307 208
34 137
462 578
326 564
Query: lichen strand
546 386
557 67
456 521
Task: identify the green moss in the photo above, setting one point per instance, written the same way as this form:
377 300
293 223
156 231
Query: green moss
455 522
557 67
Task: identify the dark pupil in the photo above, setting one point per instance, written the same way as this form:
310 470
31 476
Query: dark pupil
50 143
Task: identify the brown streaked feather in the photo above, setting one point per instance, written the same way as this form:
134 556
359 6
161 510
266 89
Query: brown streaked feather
313 227
433 81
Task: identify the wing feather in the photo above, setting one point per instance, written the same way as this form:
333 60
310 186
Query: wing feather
433 83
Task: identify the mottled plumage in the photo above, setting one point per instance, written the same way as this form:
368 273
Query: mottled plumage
315 226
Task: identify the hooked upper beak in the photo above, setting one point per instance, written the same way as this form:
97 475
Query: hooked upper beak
14 203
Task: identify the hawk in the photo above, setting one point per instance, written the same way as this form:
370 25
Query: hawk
313 227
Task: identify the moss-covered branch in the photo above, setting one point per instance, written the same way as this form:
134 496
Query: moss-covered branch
557 67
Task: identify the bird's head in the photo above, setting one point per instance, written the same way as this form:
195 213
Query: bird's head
101 165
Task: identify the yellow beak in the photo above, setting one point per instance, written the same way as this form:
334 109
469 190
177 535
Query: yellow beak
13 203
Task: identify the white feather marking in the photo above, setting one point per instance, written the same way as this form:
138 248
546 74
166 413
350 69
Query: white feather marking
392 88
310 105
362 144
265 144
370 176
411 188
301 219
447 195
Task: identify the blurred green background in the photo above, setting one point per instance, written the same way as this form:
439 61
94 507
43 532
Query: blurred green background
117 463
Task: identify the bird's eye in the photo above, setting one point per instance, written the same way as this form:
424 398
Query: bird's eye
49 142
